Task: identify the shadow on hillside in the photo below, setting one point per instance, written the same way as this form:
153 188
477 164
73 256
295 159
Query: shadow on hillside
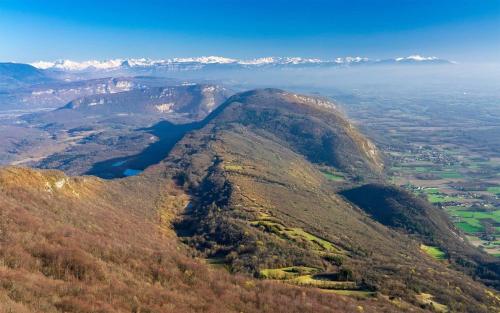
168 135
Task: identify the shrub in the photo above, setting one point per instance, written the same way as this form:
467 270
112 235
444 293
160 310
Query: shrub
65 263
346 274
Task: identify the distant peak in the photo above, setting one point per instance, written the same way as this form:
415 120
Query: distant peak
348 60
417 57
200 62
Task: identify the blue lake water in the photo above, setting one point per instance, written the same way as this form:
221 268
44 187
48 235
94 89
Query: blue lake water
131 172
119 163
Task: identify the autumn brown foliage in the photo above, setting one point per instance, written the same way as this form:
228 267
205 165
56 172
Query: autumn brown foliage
108 250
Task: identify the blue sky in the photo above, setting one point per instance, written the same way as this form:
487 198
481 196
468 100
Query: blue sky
459 29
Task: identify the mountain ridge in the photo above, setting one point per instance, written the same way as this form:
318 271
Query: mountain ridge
195 99
201 62
263 108
261 205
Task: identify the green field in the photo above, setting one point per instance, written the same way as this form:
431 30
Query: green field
307 276
442 198
297 234
449 174
470 221
434 252
494 190
421 169
468 228
446 173
312 281
286 272
432 191
478 215
333 177
435 196
354 293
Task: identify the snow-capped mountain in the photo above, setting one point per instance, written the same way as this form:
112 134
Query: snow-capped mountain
69 65
210 61
352 60
417 58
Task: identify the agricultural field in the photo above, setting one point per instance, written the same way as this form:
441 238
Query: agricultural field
494 190
445 148
471 202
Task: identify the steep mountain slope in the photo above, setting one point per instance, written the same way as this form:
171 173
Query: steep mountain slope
87 245
308 126
262 205
403 211
399 209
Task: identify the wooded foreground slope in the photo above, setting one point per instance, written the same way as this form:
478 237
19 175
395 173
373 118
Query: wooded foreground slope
87 245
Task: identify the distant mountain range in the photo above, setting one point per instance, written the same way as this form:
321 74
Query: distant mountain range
16 75
216 61
38 89
193 100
